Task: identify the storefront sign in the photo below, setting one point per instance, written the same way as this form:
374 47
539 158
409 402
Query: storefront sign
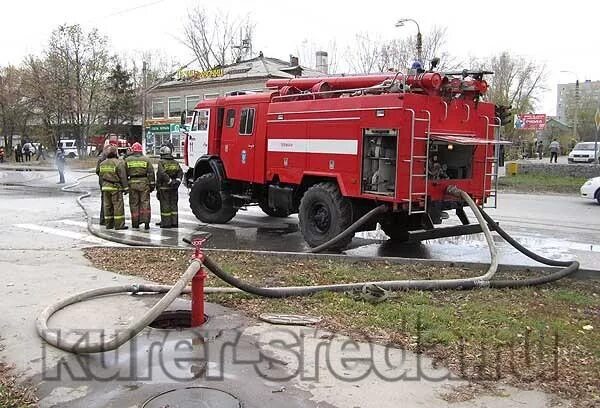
191 74
160 128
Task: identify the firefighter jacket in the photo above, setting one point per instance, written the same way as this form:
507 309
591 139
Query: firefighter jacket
140 170
113 175
101 158
169 174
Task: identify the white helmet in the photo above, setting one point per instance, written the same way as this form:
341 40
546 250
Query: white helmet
165 151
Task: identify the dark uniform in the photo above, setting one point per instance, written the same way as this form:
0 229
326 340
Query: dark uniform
168 179
141 184
114 183
101 158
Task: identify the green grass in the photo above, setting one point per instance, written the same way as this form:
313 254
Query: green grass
542 183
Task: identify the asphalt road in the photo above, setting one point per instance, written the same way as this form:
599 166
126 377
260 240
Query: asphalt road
40 215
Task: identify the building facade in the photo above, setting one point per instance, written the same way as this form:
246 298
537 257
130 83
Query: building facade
565 95
167 102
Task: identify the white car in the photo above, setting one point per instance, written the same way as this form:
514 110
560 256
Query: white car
583 153
591 189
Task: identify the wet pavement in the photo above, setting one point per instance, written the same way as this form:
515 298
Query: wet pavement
557 226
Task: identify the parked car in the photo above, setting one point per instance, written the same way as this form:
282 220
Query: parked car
591 189
583 152
70 147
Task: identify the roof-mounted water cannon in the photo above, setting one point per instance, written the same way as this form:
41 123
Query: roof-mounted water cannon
470 85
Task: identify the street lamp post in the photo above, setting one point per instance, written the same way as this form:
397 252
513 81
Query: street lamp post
401 23
576 103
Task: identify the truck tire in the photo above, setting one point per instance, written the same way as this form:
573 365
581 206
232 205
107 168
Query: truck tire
209 202
272 212
324 214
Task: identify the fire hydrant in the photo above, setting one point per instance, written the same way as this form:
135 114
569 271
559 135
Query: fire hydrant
198 284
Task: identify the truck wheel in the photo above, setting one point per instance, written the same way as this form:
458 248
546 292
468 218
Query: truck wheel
272 212
209 203
324 214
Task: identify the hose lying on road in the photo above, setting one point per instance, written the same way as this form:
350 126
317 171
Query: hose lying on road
241 286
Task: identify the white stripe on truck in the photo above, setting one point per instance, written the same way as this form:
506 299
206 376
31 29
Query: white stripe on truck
329 146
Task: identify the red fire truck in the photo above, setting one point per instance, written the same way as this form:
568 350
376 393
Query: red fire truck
333 148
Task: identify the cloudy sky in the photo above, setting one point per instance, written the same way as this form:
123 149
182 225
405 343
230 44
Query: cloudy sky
561 37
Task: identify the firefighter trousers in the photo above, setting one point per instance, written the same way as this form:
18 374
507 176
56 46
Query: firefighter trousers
114 209
102 221
139 202
168 208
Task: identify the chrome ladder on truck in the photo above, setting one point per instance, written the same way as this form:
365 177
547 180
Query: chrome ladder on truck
422 195
492 191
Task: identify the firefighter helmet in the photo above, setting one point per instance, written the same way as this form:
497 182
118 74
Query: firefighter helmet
136 148
165 151
111 151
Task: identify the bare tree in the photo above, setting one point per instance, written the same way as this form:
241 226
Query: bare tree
364 55
516 82
14 107
213 38
400 54
369 54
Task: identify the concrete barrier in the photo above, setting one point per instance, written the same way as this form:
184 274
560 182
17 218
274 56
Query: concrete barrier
553 169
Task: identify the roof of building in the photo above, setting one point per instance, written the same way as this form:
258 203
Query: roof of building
560 123
255 68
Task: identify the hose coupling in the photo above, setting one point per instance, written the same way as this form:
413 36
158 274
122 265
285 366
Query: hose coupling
453 190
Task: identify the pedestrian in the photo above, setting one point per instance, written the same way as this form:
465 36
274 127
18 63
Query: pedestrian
540 149
101 158
1 154
113 176
40 153
140 173
27 147
554 150
18 154
60 164
168 179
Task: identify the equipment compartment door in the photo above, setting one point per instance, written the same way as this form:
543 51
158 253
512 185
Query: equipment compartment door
239 138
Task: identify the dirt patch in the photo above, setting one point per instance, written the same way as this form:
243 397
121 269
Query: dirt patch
547 336
13 394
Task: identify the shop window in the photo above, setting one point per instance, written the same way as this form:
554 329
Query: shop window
190 103
175 107
158 108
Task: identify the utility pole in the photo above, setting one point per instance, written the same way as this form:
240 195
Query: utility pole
144 87
576 110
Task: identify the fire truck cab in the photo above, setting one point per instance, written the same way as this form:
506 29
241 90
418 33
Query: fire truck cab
331 149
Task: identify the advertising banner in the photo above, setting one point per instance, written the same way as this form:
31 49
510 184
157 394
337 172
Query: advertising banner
530 121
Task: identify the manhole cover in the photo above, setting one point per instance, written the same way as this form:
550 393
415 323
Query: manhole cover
174 319
193 397
289 319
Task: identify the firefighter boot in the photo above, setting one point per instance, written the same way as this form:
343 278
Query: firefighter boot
147 226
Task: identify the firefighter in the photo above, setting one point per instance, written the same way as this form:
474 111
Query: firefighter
168 179
113 177
141 183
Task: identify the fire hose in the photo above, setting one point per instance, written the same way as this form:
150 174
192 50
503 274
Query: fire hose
240 286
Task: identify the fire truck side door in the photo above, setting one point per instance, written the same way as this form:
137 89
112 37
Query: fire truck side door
239 138
198 136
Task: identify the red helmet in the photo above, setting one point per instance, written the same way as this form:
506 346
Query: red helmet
136 148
